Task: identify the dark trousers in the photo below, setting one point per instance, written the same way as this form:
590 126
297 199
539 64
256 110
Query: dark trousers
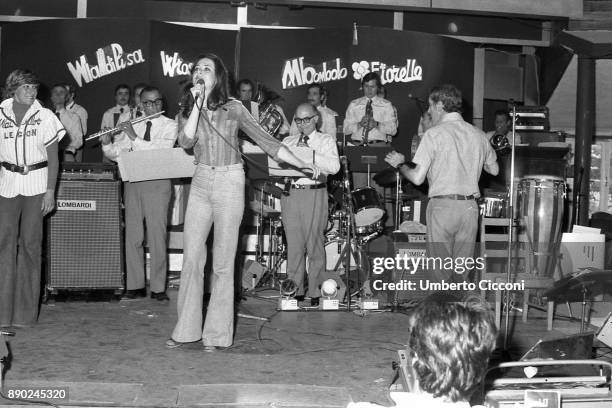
20 259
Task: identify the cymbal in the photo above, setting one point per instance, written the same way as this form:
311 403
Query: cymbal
571 288
386 177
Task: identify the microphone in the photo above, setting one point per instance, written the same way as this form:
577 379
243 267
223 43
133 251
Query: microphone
200 84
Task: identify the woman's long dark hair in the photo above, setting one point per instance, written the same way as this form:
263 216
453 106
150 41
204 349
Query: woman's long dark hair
220 93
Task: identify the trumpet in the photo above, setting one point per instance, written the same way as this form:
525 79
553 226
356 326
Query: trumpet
133 122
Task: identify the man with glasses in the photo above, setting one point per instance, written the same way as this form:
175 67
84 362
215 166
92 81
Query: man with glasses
304 210
145 201
317 96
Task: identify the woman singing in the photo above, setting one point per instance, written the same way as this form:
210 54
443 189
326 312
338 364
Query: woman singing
210 125
29 135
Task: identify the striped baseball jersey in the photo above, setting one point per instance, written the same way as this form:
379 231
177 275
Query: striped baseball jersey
26 144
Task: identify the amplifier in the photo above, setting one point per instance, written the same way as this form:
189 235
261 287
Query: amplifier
84 237
400 281
87 171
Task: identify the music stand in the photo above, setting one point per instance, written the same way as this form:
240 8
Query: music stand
365 159
579 285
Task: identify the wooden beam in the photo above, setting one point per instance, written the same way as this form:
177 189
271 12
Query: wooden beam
534 9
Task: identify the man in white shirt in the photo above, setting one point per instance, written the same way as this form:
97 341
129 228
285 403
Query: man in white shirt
74 107
501 137
146 200
370 119
317 97
121 112
71 151
304 210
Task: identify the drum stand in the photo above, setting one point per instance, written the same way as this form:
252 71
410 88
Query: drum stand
275 255
350 241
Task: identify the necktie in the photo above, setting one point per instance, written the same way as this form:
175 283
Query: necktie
116 116
58 115
147 135
303 141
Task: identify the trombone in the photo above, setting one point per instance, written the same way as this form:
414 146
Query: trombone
133 121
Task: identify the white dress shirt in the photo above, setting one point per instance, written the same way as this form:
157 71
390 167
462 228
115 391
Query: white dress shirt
164 132
125 113
325 154
82 114
72 124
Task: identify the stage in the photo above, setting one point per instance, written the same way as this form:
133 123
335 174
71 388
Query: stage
113 353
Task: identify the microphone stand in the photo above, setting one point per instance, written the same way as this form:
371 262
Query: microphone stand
510 227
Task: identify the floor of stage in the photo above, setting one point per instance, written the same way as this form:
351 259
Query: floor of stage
114 352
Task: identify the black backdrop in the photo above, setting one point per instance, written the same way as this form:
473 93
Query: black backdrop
46 47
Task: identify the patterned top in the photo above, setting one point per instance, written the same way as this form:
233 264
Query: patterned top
217 144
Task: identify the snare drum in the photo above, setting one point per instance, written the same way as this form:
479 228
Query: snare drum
369 210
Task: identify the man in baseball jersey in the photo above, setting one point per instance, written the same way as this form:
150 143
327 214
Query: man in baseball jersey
29 135
145 201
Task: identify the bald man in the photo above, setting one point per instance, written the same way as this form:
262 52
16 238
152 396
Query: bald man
304 210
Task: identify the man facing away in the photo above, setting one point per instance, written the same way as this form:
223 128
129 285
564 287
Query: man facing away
451 155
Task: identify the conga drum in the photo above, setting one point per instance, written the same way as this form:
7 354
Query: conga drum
541 206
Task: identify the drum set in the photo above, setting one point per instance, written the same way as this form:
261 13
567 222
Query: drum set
365 210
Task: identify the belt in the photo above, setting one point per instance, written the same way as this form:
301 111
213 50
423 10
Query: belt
24 169
456 197
308 186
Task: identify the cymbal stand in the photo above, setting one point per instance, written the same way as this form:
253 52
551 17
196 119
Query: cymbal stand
398 204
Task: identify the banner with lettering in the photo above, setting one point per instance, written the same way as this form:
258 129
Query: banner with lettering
173 50
409 64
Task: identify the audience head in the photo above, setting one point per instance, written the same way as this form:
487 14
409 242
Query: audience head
451 345
22 86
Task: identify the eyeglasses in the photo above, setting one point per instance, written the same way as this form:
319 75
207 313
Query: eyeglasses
149 104
305 120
